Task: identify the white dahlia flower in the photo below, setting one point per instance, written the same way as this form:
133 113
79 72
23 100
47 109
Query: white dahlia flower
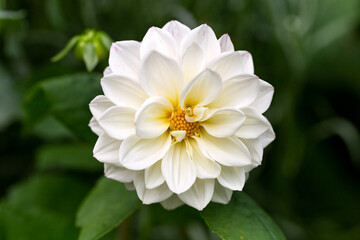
181 117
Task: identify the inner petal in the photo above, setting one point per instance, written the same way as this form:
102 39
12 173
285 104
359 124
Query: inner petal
178 122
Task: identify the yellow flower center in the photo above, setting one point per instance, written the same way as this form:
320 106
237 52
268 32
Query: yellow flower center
179 123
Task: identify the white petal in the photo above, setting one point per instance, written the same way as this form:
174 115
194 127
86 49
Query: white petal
256 150
172 202
254 125
226 44
149 196
106 149
95 127
193 62
221 194
99 105
138 154
230 64
200 194
178 135
107 71
223 122
118 122
118 173
205 37
232 177
238 91
153 118
124 58
153 176
157 39
130 186
178 169
177 30
264 97
123 91
205 168
202 90
228 151
161 76
267 137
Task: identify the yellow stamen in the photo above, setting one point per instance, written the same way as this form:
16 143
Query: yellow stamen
179 123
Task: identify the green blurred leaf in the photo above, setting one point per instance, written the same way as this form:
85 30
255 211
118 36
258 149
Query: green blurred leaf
67 156
71 43
107 205
242 218
90 57
42 208
67 99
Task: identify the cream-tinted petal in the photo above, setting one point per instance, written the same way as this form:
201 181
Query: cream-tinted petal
161 76
118 122
221 194
160 40
178 169
138 154
229 151
95 127
230 64
124 59
254 125
153 118
264 97
106 149
153 176
232 178
223 122
201 90
239 91
123 91
99 105
200 194
193 62
172 202
118 173
225 43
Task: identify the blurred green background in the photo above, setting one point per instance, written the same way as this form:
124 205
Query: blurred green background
309 50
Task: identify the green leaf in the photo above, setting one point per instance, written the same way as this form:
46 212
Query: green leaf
67 156
42 208
107 205
242 218
71 43
90 57
67 98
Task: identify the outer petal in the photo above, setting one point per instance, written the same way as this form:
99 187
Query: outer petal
202 90
256 150
95 127
238 91
221 194
231 64
178 168
153 118
232 177
99 105
205 37
200 194
106 149
153 176
267 137
123 91
263 100
124 59
205 168
157 39
172 202
161 76
226 44
193 61
223 122
228 151
254 125
149 196
118 122
118 173
177 30
138 154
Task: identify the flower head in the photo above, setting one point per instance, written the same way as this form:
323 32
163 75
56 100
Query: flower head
181 116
